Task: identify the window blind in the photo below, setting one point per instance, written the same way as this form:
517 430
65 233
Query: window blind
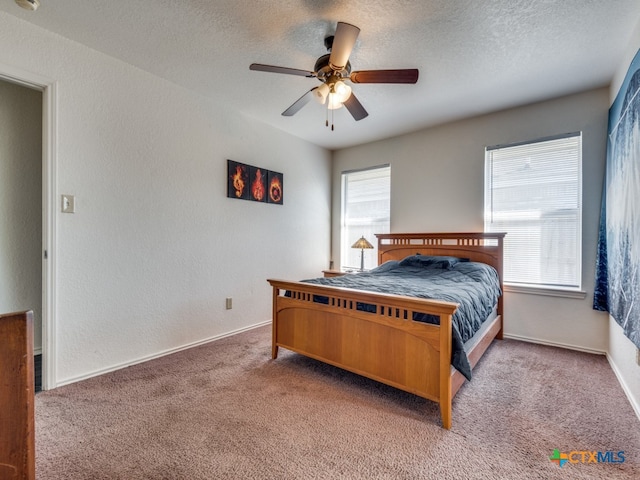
533 191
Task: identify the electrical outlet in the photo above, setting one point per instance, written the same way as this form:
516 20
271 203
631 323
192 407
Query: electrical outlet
229 303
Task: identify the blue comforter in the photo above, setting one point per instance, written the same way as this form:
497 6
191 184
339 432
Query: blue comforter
474 286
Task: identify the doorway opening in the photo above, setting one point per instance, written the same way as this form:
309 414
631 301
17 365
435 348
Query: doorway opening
27 246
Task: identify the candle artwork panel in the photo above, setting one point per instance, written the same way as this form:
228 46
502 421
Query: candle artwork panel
237 180
275 184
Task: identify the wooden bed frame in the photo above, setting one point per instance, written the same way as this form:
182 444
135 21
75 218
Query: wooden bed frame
388 346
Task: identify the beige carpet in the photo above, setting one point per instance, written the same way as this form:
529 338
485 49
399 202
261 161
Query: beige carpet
226 410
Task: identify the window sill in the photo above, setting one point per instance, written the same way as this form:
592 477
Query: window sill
548 292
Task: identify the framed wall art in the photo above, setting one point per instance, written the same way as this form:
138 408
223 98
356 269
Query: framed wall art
237 180
248 182
257 184
274 182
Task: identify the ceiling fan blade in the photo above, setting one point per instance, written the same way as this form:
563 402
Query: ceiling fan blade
298 104
409 75
273 69
343 42
355 108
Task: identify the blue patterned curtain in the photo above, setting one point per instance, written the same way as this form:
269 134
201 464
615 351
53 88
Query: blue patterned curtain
601 293
618 264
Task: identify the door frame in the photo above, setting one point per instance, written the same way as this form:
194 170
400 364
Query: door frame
48 87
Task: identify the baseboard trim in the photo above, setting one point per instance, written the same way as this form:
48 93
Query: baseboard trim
164 353
568 346
37 351
625 388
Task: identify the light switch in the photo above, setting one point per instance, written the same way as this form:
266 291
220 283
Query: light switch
68 204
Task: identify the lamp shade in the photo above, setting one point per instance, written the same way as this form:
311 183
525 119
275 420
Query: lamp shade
321 93
342 91
31 5
338 94
362 243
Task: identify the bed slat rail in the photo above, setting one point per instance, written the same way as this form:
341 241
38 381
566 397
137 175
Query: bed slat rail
348 297
465 239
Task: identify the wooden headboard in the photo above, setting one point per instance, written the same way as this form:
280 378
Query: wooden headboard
477 247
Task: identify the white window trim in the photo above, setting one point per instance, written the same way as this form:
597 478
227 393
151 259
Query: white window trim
545 291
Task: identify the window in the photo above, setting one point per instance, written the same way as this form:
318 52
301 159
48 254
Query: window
365 212
533 191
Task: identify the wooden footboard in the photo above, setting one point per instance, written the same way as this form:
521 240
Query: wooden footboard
387 345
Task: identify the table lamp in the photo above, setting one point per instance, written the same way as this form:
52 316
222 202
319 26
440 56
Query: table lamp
362 243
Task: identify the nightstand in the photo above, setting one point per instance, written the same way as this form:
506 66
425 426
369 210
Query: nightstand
333 273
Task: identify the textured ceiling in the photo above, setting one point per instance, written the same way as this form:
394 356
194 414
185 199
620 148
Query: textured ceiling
474 56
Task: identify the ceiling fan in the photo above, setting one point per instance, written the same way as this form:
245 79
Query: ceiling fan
333 69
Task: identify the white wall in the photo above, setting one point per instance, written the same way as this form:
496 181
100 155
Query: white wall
21 202
621 351
155 247
437 184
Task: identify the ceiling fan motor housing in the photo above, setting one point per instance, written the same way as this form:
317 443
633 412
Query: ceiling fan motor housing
324 71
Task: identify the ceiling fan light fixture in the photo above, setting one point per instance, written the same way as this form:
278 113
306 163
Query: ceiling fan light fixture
31 5
321 93
338 94
342 91
333 103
